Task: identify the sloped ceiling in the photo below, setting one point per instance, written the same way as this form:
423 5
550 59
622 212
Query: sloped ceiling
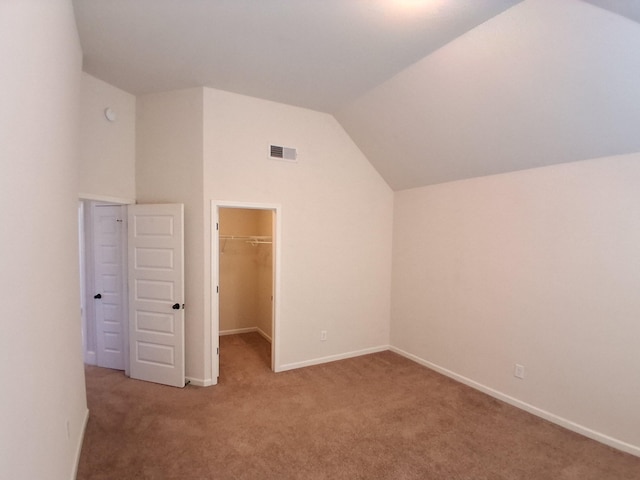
545 82
628 8
431 90
317 54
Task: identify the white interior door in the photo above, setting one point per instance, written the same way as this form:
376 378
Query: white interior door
156 293
109 293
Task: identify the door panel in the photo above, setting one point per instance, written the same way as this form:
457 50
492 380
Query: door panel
108 283
156 284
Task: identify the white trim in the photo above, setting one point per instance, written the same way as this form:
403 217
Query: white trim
237 331
124 275
277 255
563 422
264 335
332 358
246 330
90 357
124 243
198 382
106 199
90 341
83 283
80 442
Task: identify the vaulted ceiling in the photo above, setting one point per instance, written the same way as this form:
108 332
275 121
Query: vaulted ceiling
430 90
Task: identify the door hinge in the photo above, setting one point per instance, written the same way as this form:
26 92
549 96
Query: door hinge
217 226
217 289
217 350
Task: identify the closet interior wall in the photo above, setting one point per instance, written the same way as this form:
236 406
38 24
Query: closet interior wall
246 271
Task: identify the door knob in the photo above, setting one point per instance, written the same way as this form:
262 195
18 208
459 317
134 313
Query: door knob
176 306
99 295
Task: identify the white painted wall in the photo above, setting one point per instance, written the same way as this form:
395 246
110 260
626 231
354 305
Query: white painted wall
107 149
41 369
169 170
538 267
336 221
198 145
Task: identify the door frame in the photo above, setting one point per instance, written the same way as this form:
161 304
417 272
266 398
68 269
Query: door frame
121 240
215 279
87 269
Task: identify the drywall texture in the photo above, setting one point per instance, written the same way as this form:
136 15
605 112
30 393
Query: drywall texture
245 271
107 148
43 404
539 268
169 170
336 217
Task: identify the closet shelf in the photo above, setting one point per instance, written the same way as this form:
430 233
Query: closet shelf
252 239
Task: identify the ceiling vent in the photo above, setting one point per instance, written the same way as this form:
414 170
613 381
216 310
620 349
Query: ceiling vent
278 152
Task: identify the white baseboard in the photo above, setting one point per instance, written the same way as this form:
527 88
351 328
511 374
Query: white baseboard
79 445
245 330
199 382
263 335
563 422
330 358
238 330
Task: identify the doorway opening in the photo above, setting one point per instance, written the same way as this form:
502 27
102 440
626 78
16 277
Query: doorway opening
132 275
103 277
245 278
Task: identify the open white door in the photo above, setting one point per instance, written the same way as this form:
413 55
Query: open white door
156 293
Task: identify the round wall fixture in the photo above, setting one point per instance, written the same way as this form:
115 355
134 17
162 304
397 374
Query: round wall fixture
110 114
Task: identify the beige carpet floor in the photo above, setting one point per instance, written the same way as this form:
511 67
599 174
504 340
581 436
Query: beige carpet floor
379 416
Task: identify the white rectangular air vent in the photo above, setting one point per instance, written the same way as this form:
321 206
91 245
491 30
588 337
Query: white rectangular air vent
283 153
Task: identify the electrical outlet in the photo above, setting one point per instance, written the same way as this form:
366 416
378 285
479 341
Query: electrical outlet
323 335
518 371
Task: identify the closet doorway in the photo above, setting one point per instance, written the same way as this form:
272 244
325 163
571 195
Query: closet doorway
246 275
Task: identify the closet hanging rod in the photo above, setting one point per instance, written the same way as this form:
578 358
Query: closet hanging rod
252 239
246 237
